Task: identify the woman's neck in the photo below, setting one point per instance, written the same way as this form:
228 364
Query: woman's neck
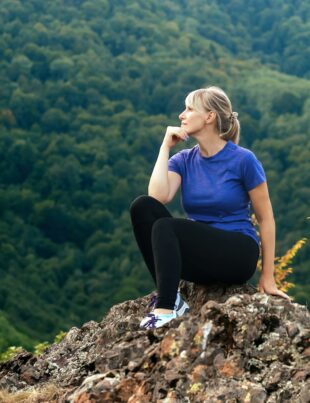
211 146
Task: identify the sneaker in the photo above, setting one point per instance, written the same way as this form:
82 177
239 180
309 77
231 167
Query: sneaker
153 321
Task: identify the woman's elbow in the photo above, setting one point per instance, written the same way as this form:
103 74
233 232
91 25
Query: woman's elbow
266 219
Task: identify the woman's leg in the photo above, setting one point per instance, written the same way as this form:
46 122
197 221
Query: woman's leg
144 211
197 252
175 248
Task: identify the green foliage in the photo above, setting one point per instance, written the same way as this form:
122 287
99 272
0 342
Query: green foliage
59 336
10 353
87 89
9 335
41 348
38 349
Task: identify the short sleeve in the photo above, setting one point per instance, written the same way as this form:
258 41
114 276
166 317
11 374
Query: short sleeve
253 172
175 163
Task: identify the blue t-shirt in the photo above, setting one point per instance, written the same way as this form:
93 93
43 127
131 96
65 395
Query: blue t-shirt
215 189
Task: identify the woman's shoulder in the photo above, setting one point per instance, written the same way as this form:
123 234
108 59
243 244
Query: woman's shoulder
243 152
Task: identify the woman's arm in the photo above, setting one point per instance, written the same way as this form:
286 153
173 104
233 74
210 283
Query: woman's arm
159 184
264 214
267 229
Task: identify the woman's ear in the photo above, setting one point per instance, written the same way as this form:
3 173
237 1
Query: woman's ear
210 116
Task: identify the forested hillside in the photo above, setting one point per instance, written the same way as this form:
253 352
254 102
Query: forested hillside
87 90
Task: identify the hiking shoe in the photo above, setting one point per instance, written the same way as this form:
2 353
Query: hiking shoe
180 305
152 321
158 320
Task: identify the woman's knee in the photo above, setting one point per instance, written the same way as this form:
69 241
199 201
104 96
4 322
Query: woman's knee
161 226
137 203
141 203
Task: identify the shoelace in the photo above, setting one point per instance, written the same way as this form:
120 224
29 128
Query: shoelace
152 321
153 300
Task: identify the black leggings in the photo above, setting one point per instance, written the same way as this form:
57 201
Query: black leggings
179 248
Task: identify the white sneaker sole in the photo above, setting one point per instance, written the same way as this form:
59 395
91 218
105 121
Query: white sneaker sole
185 308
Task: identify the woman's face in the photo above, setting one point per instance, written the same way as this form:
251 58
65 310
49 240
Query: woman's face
193 121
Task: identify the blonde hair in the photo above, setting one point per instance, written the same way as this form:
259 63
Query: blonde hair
215 99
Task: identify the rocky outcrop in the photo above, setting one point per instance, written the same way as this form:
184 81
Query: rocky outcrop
235 345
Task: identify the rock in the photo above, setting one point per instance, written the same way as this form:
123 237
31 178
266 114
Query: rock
234 345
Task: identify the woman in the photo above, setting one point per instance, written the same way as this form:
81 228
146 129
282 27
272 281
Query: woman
217 242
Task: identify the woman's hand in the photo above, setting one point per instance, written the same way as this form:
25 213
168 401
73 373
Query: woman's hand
174 135
268 285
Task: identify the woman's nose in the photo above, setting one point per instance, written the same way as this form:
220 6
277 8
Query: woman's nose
181 115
